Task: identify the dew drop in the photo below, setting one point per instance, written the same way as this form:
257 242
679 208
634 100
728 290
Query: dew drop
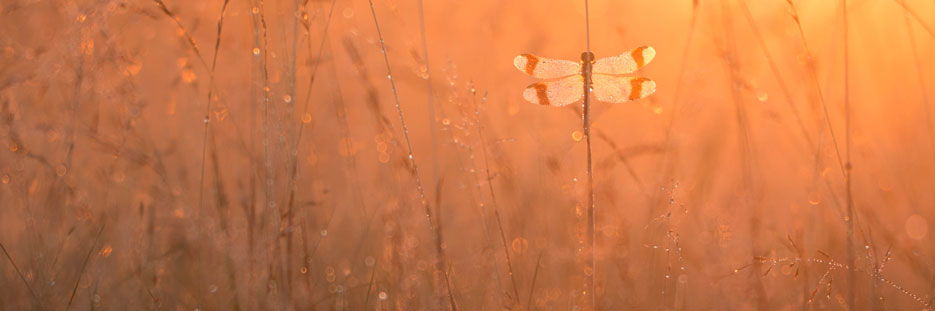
916 227
106 251
307 118
188 76
256 51
814 198
382 295
287 98
61 170
577 135
324 232
762 96
520 245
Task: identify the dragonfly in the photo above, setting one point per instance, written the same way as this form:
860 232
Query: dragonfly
567 80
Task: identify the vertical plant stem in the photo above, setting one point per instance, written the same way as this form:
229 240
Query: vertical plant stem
746 148
430 103
664 166
441 261
775 69
293 154
8 257
849 219
373 273
532 287
207 115
493 196
84 266
817 85
290 198
587 134
916 17
921 77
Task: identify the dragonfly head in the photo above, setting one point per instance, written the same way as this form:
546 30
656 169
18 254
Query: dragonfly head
587 57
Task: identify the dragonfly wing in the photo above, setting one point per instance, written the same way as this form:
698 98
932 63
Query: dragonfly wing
614 89
625 63
544 68
557 93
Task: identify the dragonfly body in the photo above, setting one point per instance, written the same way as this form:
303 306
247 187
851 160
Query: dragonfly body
587 65
568 81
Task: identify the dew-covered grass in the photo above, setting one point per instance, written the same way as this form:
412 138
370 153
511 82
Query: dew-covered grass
379 154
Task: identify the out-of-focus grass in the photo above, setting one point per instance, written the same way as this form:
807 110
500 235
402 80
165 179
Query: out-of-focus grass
726 189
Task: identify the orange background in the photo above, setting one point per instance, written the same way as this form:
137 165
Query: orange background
723 190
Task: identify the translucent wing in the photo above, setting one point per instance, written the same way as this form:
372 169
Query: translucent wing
557 93
544 68
625 63
614 89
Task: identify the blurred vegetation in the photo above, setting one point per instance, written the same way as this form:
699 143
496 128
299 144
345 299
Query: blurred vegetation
250 155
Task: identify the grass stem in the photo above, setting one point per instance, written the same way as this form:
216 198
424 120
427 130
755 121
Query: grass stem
412 161
590 184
